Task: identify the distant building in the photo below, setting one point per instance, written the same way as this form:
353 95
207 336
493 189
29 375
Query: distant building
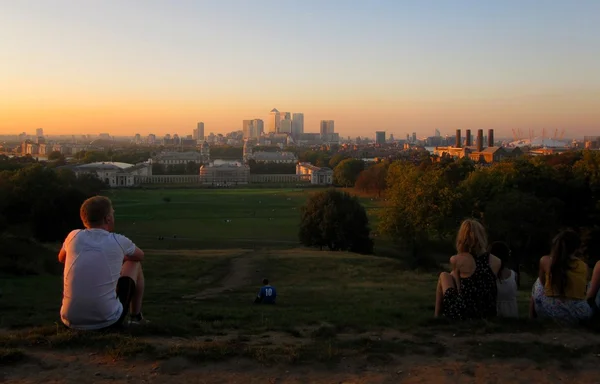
309 139
274 121
327 127
247 129
252 128
318 175
114 174
478 152
414 137
199 132
285 126
151 139
380 137
39 132
272 157
224 174
591 142
173 158
297 124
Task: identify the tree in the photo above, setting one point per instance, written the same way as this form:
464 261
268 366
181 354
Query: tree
335 220
421 207
347 171
373 179
55 155
336 159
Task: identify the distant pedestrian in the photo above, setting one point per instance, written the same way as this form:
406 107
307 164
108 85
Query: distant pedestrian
267 294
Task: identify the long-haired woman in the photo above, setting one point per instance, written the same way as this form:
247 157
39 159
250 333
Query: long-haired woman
560 291
469 291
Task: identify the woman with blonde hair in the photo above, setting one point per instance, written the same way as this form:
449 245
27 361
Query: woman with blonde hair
469 291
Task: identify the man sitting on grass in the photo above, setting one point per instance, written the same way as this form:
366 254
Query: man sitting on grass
267 294
103 276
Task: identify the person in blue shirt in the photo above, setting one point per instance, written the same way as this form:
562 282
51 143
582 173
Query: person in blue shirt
267 294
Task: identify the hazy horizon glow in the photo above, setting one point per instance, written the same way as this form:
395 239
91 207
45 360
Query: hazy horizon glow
400 66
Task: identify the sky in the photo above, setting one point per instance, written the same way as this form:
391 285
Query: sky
149 66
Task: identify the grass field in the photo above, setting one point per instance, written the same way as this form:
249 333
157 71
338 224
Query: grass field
204 218
337 309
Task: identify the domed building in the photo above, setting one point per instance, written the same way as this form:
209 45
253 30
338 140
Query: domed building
114 174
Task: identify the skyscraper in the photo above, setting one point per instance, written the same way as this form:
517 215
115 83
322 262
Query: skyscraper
285 126
259 127
380 137
437 133
297 124
327 127
273 123
199 132
414 137
39 132
248 129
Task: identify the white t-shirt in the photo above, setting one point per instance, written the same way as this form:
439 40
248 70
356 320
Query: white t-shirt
92 269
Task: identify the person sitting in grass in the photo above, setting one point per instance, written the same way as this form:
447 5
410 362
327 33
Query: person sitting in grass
267 294
469 291
103 276
560 292
507 282
591 249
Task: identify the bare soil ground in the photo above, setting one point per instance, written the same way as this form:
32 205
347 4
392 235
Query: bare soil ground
75 366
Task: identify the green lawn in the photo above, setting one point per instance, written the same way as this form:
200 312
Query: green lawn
203 218
320 294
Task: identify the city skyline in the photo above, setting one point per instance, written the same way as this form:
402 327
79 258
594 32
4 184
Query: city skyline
159 68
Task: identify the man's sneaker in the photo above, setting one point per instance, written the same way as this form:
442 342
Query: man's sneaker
137 319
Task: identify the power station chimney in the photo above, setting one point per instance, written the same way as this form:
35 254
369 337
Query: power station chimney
490 137
468 144
480 140
458 143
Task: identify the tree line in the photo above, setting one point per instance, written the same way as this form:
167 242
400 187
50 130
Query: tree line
523 202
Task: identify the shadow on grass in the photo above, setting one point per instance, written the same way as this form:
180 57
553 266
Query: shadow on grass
11 356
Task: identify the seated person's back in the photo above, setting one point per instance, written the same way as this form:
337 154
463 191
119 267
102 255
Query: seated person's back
92 268
103 278
267 293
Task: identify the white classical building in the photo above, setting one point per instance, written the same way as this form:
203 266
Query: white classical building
224 174
318 175
115 174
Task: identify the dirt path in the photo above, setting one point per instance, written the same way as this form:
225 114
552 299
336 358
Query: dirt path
240 274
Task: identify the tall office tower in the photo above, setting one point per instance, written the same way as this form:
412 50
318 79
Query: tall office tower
414 138
407 137
259 127
285 126
152 139
199 132
380 137
273 123
248 129
39 132
297 124
327 127
437 133
137 138
285 115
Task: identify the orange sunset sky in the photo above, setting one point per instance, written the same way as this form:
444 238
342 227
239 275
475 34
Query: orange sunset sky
399 66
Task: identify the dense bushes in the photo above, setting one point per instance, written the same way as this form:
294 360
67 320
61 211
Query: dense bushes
337 221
